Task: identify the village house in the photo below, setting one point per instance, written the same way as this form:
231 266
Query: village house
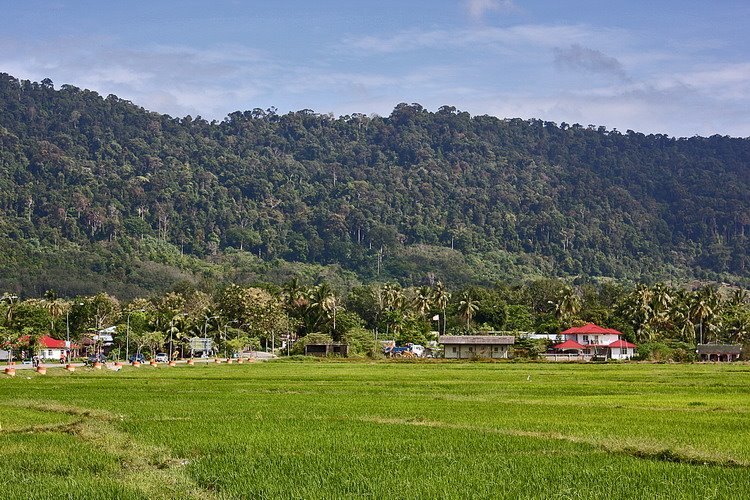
48 348
592 341
477 346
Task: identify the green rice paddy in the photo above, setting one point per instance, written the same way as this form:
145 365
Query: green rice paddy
378 430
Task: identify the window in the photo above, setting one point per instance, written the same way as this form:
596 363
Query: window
595 339
471 349
454 348
49 352
497 348
585 339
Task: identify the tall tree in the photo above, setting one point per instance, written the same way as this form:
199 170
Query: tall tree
467 307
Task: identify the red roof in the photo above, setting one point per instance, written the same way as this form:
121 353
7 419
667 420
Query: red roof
590 328
47 342
569 344
622 344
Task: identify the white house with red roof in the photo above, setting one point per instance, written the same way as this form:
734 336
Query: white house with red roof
593 341
49 348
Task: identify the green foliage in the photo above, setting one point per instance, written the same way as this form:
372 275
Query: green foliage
98 194
529 348
667 351
361 343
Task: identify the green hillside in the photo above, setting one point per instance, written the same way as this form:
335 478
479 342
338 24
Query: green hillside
98 193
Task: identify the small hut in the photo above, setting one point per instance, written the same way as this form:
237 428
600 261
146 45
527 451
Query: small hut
719 352
323 350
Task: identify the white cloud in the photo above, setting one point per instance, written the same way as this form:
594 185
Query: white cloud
538 35
723 81
478 8
170 79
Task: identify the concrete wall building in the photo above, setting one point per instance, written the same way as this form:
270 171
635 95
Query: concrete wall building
477 346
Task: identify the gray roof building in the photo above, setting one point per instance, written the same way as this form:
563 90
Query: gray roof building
719 352
477 346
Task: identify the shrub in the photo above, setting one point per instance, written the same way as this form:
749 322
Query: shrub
361 343
666 351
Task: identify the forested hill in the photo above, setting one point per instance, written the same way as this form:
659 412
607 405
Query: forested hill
98 192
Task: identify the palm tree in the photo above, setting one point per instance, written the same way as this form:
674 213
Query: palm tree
679 316
56 309
739 297
11 301
441 297
638 307
393 297
422 301
324 303
703 305
568 305
467 307
293 295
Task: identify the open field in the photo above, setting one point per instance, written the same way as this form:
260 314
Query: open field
336 429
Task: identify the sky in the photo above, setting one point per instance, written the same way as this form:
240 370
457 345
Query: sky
681 68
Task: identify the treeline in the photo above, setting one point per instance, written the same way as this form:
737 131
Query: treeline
94 187
659 318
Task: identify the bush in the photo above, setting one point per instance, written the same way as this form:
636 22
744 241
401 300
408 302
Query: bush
667 351
361 343
529 348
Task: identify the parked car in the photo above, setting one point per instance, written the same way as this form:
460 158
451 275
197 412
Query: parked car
101 358
138 357
161 357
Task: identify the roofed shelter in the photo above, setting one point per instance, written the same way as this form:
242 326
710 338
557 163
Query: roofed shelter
477 346
719 352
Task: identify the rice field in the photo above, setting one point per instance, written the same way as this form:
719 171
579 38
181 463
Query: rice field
378 430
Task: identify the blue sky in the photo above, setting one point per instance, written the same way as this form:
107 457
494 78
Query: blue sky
680 68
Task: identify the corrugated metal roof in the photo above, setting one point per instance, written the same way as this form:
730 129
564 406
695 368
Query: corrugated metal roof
477 339
719 349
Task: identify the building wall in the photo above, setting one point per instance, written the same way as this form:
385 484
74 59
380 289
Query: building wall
464 351
47 353
589 338
624 353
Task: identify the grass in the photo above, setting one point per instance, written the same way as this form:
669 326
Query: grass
378 430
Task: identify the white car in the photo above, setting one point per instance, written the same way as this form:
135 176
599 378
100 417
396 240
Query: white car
161 357
418 350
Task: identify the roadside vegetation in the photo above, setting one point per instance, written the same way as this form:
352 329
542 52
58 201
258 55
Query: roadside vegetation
665 321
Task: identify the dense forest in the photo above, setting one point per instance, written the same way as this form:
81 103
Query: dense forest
99 194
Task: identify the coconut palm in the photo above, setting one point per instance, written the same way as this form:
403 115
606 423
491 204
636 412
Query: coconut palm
703 307
324 302
568 305
638 306
441 297
422 301
739 297
467 308
393 297
680 318
56 309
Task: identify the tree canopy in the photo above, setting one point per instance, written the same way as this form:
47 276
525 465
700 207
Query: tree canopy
98 194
